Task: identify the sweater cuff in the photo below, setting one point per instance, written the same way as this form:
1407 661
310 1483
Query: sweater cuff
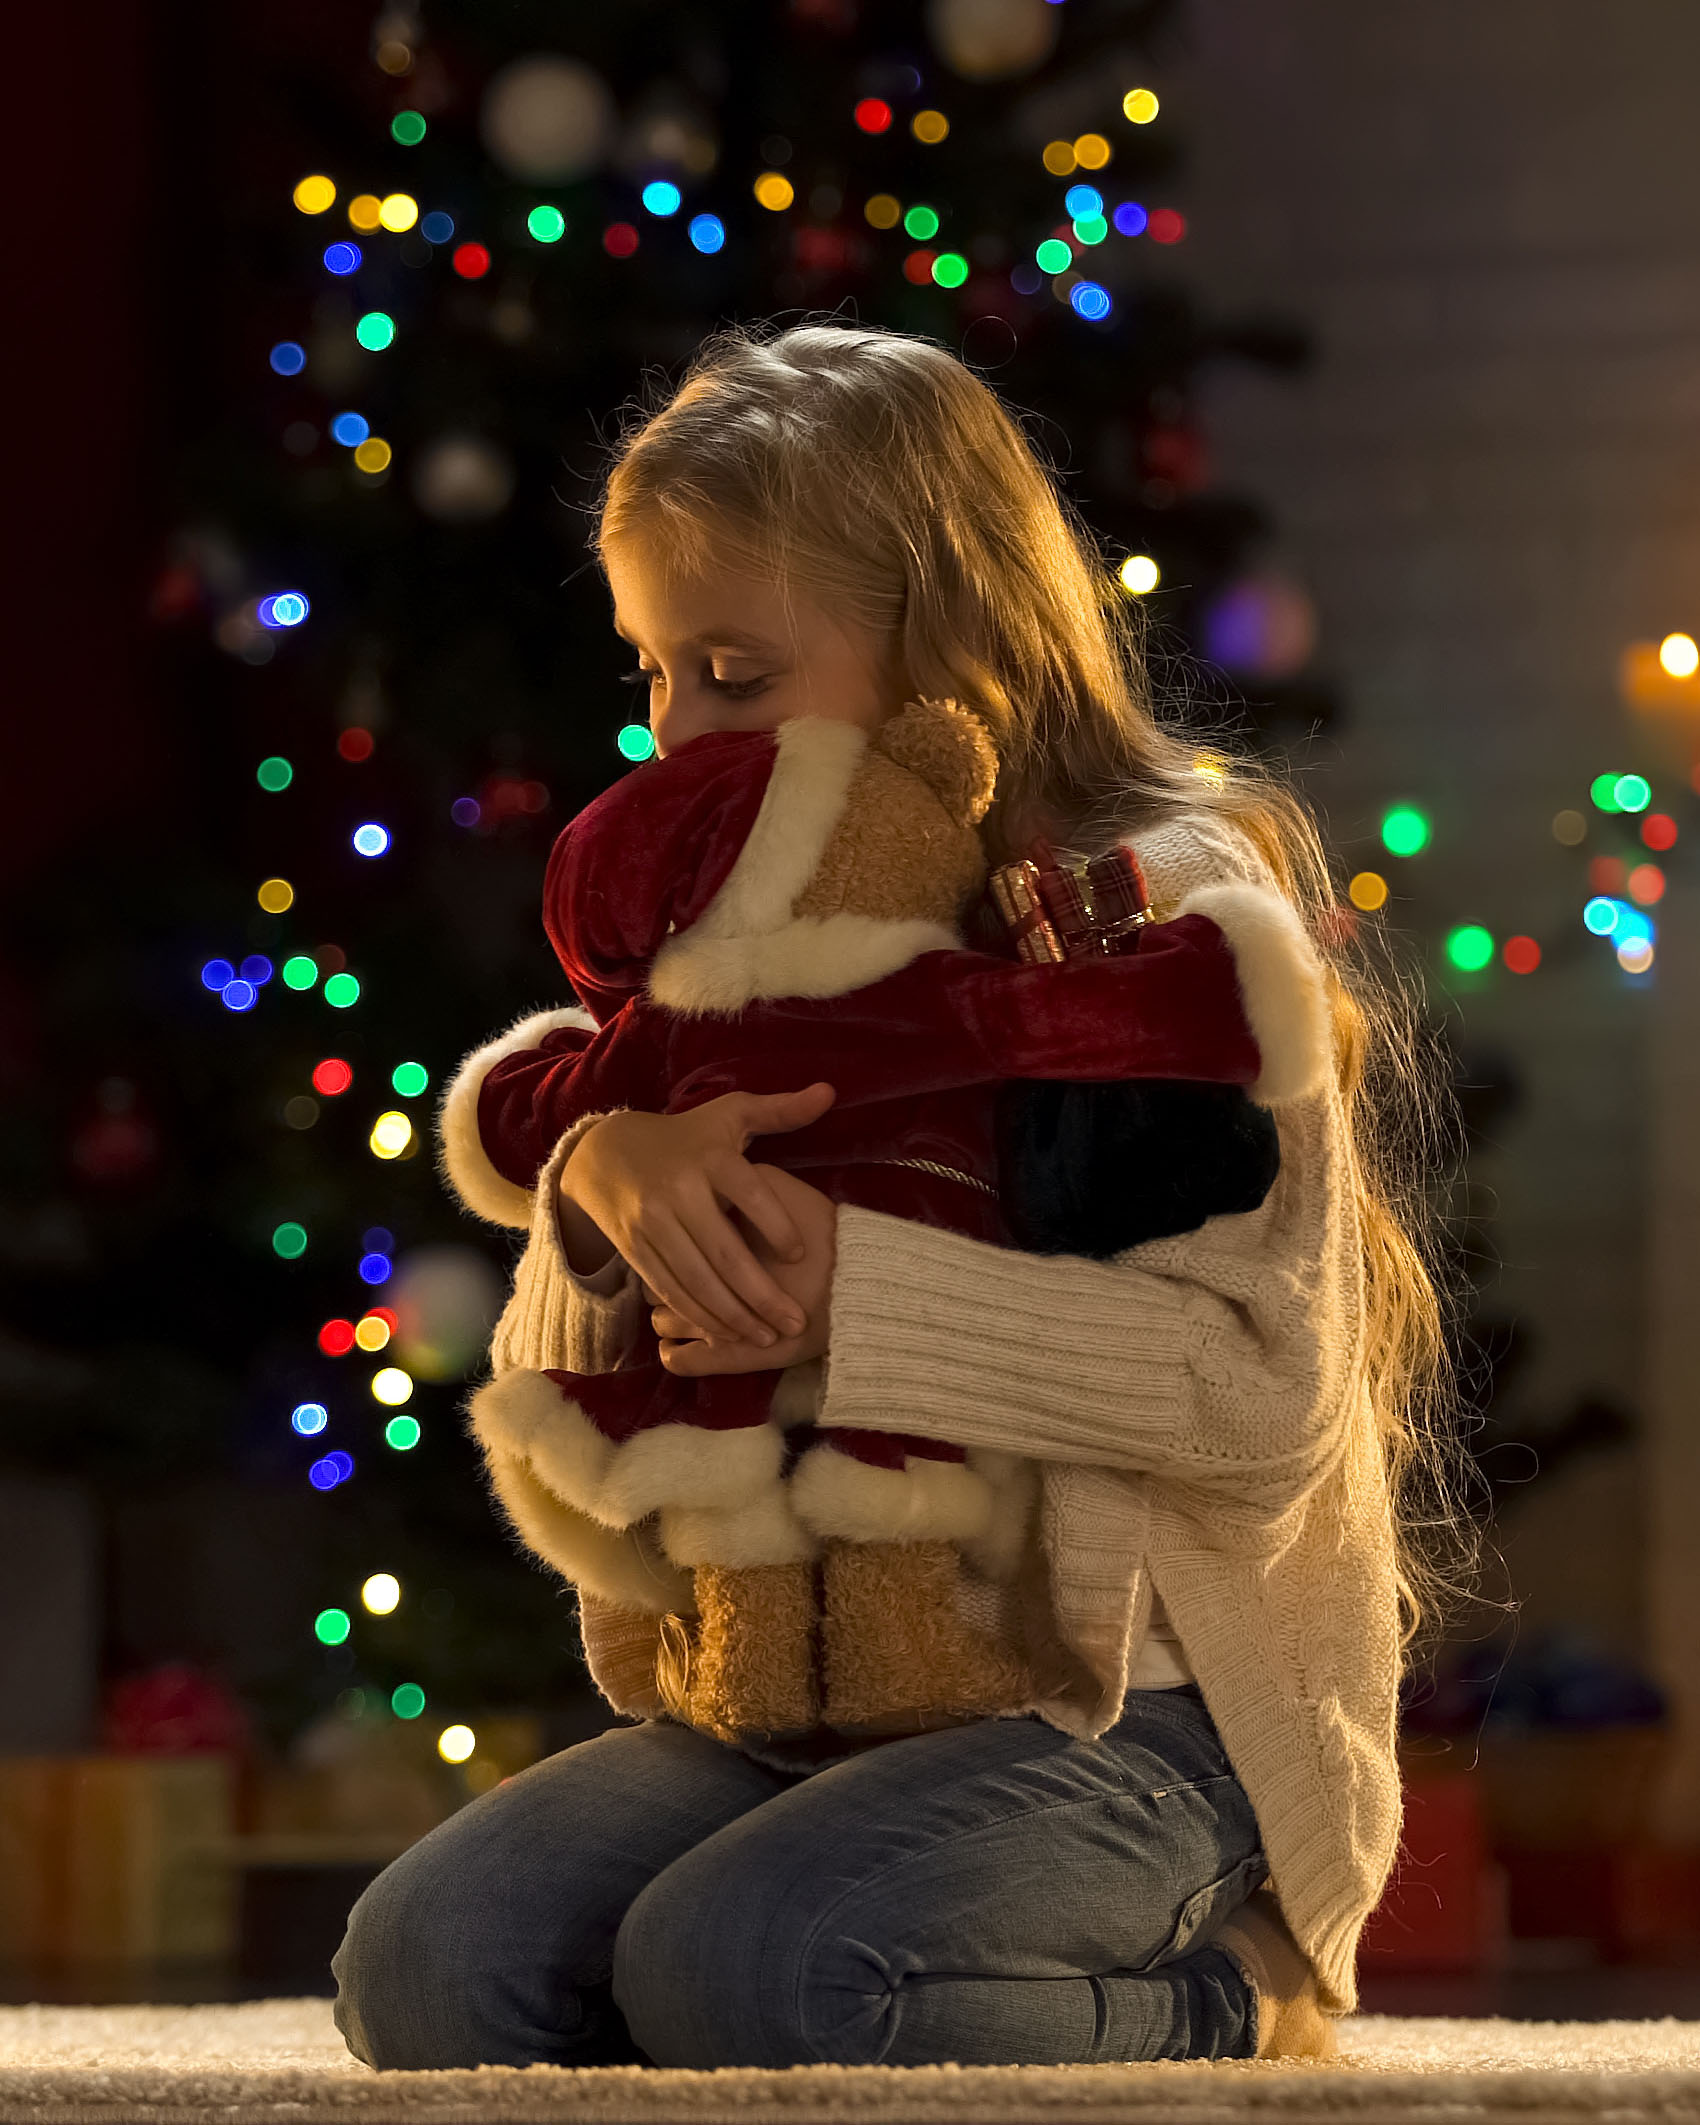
556 1316
1048 1355
461 1157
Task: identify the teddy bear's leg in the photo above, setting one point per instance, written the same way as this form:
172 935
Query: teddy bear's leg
747 1662
892 1511
898 1655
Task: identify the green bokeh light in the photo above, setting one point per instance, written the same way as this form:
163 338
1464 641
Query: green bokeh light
274 773
290 1240
921 222
1053 256
1470 947
636 741
331 1626
407 1700
1633 793
402 1433
1405 831
410 1079
1091 228
546 224
950 269
375 331
300 971
1603 790
407 127
342 990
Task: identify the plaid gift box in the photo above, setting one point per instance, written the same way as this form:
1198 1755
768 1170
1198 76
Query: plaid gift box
1059 904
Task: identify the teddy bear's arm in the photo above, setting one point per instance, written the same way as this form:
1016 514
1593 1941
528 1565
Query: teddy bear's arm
530 1098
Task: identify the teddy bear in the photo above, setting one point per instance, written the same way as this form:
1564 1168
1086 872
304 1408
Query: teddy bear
764 909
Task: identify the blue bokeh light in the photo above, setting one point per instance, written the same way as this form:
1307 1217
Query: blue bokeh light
378 1239
256 968
217 974
437 227
708 232
374 1269
238 995
1090 301
371 839
324 1475
1130 218
309 1417
342 259
662 198
284 608
1600 915
466 811
344 1464
350 428
288 357
1082 200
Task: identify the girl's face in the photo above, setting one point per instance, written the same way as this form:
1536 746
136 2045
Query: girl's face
721 651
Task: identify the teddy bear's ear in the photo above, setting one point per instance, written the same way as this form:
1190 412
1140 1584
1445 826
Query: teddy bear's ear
950 749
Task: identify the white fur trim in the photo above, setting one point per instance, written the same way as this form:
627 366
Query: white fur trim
526 1414
1014 1483
835 1494
817 955
1282 987
764 1529
461 1157
626 1568
813 769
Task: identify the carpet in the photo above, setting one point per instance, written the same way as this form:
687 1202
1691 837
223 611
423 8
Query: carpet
281 2062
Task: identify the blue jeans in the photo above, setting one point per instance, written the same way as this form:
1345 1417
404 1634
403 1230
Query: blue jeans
995 1894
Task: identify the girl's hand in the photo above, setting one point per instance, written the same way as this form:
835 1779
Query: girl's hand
808 1282
658 1186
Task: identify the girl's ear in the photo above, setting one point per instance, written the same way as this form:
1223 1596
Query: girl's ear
950 749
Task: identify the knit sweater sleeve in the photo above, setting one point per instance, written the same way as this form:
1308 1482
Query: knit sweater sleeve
1225 1361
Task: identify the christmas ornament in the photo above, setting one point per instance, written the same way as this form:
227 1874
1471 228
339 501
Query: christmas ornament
1262 627
445 1301
989 40
461 479
546 118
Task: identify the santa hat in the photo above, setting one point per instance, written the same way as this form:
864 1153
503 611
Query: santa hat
682 878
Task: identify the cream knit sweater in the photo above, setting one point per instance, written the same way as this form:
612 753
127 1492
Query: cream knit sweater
1198 1409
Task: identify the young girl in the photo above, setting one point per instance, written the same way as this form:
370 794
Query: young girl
1170 1850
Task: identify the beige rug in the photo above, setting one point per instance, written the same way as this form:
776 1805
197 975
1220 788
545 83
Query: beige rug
281 2062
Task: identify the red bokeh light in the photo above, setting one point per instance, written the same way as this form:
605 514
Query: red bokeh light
336 1338
387 1314
1605 875
1165 225
619 239
918 267
1522 954
355 744
872 115
1658 830
1646 884
471 261
332 1076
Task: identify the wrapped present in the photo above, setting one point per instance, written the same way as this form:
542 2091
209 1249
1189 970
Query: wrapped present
1094 1169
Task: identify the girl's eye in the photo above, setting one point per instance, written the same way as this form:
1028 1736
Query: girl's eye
640 677
736 689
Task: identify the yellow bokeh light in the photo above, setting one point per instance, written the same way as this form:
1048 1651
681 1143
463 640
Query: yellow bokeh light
382 1593
394 56
774 191
365 212
1092 151
456 1744
398 211
392 1386
371 1332
1570 828
1139 106
1368 890
373 454
929 127
276 896
1635 955
1058 157
1212 767
1680 656
314 194
391 1134
1139 573
883 211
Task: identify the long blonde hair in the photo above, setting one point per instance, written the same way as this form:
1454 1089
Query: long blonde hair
875 473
